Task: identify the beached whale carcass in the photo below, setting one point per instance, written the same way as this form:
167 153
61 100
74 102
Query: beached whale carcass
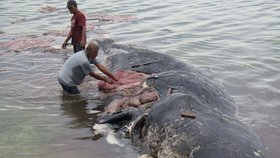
193 117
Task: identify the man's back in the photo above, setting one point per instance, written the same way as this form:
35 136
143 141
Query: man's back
75 69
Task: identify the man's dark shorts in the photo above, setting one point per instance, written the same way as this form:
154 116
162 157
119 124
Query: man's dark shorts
70 90
78 48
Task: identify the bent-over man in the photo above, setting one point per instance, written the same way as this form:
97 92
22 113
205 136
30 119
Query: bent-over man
77 66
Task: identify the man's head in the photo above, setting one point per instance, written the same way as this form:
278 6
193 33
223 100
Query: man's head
71 3
72 6
92 50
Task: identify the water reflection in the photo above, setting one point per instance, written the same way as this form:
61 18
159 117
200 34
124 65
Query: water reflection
82 112
75 107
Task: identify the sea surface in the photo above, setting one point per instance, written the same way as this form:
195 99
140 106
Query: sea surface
237 41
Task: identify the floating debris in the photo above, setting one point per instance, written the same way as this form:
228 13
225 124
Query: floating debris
24 43
64 33
48 9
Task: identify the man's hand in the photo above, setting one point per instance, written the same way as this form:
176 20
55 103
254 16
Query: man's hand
83 43
115 79
109 81
64 45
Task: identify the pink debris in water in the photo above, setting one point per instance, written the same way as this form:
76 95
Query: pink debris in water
48 9
126 79
111 18
64 33
23 43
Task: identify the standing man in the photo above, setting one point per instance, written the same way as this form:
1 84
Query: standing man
78 66
78 28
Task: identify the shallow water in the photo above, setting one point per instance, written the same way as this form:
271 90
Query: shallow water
237 41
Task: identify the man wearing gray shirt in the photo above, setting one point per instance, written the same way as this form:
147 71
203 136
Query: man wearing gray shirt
78 66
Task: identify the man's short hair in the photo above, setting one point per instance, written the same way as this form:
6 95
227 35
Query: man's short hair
71 2
92 47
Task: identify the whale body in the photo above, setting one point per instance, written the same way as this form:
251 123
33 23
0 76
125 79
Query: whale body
194 116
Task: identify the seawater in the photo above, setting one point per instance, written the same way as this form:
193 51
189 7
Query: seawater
236 41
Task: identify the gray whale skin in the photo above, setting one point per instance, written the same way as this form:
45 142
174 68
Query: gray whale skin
214 132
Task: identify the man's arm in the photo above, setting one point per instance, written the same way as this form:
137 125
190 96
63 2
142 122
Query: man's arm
67 39
105 71
84 39
99 77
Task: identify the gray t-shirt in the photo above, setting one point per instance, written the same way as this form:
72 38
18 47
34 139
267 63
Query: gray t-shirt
75 69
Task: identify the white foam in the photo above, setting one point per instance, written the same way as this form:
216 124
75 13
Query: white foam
108 132
25 108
